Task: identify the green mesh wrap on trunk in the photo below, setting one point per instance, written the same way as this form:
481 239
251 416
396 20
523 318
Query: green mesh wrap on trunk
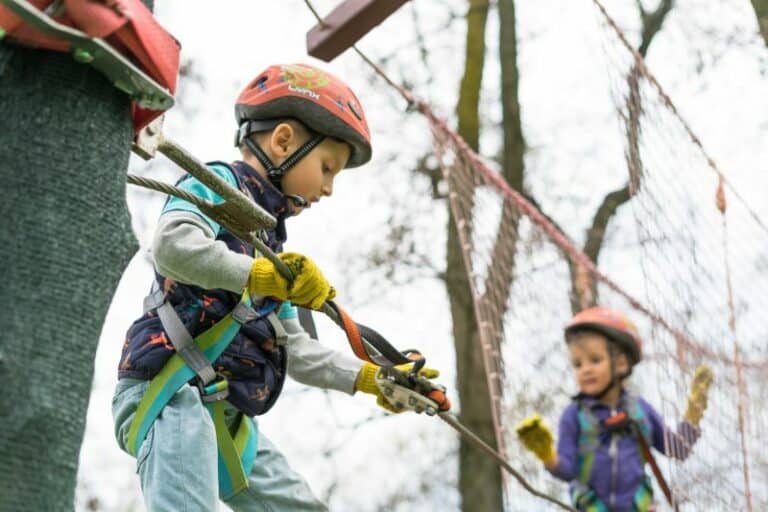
65 137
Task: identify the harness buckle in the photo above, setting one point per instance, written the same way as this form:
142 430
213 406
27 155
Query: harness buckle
619 423
216 390
154 300
243 313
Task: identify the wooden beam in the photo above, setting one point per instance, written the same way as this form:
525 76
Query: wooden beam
346 24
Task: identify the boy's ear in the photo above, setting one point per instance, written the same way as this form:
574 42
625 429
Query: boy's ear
622 363
281 139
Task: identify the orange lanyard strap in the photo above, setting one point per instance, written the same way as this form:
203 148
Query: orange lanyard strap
368 344
654 467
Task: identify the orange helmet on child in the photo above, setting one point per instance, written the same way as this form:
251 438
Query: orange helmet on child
319 100
614 326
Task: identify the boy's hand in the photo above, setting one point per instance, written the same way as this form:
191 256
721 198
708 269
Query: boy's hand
537 438
697 400
309 288
366 382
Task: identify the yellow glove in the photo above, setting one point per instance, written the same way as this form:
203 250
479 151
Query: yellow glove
366 382
309 287
697 400
537 438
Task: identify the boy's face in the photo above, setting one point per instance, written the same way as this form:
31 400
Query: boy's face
591 362
312 177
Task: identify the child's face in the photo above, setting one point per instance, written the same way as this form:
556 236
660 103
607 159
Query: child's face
591 361
312 177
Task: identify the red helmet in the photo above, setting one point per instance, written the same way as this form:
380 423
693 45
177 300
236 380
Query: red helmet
322 102
614 326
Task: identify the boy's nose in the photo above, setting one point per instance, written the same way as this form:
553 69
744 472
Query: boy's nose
327 189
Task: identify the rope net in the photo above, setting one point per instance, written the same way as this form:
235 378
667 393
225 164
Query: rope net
682 259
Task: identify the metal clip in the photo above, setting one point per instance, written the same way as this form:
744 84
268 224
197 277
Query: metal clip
214 391
402 398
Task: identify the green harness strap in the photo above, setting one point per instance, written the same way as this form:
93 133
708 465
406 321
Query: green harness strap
235 455
582 496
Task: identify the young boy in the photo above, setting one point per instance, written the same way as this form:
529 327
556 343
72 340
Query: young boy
298 128
598 453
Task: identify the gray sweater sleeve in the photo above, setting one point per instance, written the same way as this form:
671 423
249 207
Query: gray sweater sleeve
312 363
185 249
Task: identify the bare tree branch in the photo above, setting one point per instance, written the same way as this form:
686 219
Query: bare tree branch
761 13
596 234
652 22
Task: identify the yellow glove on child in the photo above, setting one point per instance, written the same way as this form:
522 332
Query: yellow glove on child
697 400
537 438
366 382
309 287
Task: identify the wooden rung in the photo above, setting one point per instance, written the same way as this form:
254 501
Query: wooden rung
346 24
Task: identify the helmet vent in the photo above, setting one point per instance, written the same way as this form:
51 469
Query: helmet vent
259 83
353 108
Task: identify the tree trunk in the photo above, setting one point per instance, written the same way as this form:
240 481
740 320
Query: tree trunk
501 274
479 477
761 13
66 240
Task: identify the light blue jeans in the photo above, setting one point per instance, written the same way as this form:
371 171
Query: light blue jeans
178 466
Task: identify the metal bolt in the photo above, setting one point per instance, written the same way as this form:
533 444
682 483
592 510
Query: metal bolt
83 56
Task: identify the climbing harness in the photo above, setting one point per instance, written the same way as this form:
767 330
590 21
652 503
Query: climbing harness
146 66
630 422
245 219
192 360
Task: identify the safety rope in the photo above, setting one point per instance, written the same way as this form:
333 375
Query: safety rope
451 420
722 207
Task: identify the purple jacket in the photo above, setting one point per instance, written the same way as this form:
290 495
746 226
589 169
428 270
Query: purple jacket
627 468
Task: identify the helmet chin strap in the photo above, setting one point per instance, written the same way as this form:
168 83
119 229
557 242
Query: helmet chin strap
298 201
275 173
